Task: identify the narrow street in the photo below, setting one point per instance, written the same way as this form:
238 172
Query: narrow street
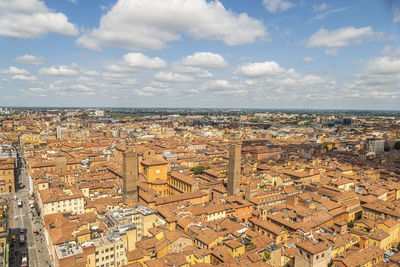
24 221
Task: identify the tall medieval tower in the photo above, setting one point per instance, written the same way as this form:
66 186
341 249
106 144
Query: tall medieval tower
130 174
234 169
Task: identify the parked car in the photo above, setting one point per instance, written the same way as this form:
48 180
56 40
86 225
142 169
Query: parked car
24 261
21 239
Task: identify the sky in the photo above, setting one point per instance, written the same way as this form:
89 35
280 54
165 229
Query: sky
201 54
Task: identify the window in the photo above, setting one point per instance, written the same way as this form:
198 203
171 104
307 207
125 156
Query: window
308 256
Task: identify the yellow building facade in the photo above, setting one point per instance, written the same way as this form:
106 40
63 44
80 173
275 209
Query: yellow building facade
7 175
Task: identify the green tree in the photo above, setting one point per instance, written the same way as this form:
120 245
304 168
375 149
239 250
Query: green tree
266 256
350 224
198 169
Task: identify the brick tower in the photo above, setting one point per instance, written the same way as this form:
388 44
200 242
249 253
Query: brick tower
130 174
234 169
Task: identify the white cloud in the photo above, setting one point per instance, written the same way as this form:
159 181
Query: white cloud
199 73
223 88
172 77
66 88
36 89
58 71
14 70
319 8
138 60
30 60
120 73
90 73
204 75
341 37
116 68
396 15
378 79
309 59
178 67
332 52
152 90
204 59
383 65
274 6
32 19
80 88
218 84
147 91
151 24
21 77
328 12
256 70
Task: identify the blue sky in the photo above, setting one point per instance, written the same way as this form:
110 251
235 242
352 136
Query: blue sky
198 53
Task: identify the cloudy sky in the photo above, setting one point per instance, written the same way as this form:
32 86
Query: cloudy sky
200 53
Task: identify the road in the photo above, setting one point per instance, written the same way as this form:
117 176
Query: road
24 221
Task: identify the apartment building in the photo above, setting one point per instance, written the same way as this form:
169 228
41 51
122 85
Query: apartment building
110 251
56 200
7 175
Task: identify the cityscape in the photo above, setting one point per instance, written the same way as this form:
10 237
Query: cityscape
177 133
176 187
